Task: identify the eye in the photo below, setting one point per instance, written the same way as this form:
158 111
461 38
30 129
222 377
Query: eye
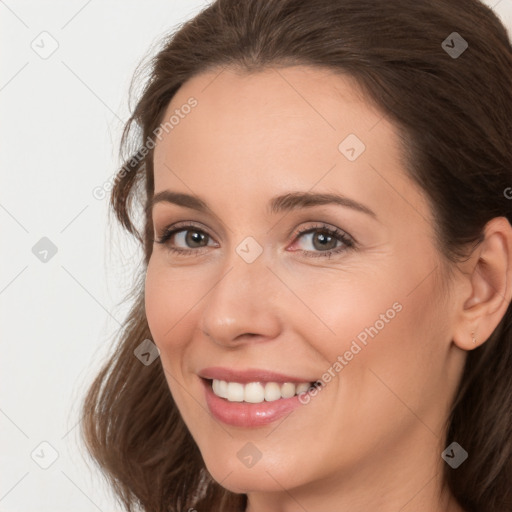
324 241
188 235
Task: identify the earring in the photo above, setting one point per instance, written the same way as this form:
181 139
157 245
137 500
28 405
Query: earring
473 336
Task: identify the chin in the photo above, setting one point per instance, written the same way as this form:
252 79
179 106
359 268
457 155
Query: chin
266 475
250 480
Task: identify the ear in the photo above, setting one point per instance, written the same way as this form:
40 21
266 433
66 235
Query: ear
485 290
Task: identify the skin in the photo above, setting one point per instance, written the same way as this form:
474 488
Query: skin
372 438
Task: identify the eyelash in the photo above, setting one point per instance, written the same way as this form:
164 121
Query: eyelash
340 235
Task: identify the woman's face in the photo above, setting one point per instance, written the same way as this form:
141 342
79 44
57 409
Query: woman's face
256 304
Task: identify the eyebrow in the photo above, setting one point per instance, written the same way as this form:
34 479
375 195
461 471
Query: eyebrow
286 202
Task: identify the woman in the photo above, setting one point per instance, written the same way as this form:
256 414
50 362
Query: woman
321 320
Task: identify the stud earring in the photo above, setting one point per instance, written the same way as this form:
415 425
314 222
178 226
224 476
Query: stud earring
473 336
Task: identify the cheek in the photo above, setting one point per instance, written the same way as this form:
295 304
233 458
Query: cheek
374 319
169 303
401 334
169 300
344 310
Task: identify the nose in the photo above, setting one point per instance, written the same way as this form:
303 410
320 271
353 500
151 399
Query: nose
243 304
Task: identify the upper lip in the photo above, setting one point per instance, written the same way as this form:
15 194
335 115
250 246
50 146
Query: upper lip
249 375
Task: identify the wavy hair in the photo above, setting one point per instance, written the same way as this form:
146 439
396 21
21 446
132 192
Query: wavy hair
455 116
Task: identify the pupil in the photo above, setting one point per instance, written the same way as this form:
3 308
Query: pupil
323 238
195 237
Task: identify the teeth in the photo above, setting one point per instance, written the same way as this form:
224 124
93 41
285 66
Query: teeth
287 390
272 391
235 392
256 392
302 388
220 388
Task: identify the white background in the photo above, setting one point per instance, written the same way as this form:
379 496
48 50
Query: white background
61 120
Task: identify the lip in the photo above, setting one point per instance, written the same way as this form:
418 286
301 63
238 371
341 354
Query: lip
244 414
250 375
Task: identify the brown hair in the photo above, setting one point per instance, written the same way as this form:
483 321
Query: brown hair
455 114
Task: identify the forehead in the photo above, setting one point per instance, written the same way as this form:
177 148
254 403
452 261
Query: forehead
303 107
253 135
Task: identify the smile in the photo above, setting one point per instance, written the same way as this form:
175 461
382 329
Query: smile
258 392
253 397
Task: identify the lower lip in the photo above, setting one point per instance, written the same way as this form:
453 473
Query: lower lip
244 414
